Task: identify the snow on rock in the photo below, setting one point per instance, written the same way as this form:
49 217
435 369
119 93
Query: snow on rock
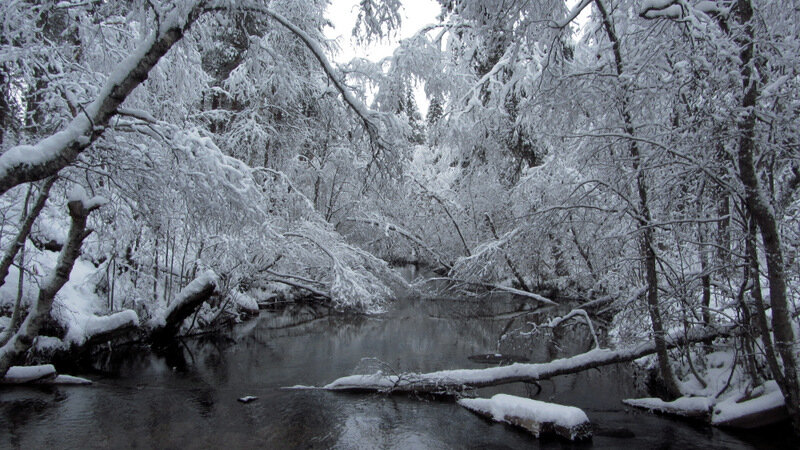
248 398
44 374
245 303
699 407
770 407
533 415
26 374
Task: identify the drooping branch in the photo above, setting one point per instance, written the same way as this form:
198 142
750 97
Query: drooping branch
510 290
510 263
361 111
557 321
406 234
286 279
446 211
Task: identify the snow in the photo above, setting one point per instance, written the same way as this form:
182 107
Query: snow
730 410
79 309
94 325
26 374
534 415
377 379
502 405
78 194
49 344
245 302
683 406
45 150
248 398
66 379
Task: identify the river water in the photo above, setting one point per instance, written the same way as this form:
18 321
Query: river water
187 398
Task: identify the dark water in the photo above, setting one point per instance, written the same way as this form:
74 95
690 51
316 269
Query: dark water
188 398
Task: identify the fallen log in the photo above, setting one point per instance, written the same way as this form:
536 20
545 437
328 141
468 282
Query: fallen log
450 382
533 415
691 407
28 374
187 301
101 329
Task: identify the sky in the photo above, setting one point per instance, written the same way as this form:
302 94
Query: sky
415 14
343 13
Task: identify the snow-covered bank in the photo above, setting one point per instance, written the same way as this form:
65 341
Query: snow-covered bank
763 406
767 408
533 415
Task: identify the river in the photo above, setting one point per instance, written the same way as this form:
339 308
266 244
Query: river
187 398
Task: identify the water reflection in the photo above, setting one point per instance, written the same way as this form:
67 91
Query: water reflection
186 396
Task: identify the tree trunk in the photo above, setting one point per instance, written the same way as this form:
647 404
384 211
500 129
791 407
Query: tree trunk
646 231
22 340
761 210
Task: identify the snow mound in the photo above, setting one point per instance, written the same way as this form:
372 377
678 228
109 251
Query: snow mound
751 413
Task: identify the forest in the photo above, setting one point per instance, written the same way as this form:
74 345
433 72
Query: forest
614 181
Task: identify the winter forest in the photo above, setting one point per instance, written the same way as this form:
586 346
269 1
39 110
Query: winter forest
529 222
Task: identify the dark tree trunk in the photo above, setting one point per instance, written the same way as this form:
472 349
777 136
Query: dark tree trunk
646 240
763 213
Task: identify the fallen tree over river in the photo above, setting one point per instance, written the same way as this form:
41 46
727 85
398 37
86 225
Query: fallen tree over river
448 382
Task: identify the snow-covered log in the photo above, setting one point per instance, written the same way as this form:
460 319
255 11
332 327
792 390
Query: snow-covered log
766 408
101 329
448 381
187 301
28 374
510 290
535 416
694 407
